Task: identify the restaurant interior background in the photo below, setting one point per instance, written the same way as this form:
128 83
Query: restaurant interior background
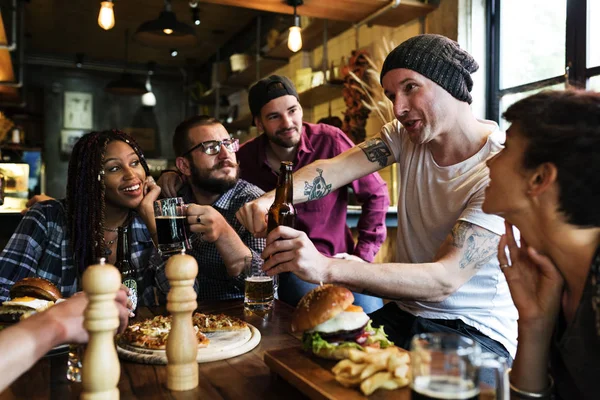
62 74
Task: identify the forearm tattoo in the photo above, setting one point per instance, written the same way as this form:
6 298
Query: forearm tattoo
479 245
319 188
376 151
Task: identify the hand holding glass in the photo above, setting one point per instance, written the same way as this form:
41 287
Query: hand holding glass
171 227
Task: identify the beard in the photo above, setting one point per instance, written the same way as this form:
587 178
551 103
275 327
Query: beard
284 142
203 181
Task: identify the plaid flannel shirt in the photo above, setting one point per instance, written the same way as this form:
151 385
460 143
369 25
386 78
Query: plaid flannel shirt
40 247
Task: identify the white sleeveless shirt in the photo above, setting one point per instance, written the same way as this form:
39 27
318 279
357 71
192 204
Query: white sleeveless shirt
431 200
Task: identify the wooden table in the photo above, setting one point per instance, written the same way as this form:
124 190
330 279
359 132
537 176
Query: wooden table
243 377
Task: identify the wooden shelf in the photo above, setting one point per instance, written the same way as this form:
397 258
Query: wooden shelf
277 57
312 37
242 123
406 11
321 94
245 78
209 97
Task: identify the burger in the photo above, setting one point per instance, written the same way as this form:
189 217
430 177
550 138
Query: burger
332 325
28 296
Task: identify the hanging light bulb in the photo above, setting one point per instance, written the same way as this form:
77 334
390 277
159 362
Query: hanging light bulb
295 36
168 31
106 16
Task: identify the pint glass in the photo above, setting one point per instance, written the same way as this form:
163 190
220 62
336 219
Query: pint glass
259 288
171 227
443 367
451 366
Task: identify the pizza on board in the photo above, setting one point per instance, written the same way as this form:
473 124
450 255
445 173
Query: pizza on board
153 333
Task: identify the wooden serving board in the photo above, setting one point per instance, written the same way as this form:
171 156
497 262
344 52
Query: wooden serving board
223 345
313 377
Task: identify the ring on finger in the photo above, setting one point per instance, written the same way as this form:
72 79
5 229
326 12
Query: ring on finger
502 266
198 219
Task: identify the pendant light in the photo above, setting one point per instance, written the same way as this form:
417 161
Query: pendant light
126 84
106 16
295 35
166 31
148 98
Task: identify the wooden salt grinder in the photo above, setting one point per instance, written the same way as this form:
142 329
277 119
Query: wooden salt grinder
182 344
101 369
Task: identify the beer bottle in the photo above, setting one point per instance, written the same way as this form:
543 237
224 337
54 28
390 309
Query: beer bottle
282 212
124 265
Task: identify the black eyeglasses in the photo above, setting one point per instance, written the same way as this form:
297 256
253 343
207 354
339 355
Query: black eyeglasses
212 147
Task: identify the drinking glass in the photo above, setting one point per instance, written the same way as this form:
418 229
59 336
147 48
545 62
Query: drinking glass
259 288
451 366
171 226
74 364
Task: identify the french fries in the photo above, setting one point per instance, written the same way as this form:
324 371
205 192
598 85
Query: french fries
374 369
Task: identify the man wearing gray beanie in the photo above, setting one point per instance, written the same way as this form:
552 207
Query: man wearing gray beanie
446 277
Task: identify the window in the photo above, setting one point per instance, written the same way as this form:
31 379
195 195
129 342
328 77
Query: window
540 44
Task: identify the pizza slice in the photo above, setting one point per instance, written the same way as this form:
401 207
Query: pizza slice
217 322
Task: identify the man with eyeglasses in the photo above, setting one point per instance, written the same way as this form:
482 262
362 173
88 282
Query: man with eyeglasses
277 112
221 245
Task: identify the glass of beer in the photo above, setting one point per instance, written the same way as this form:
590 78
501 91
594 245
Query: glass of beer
259 290
171 227
451 366
444 367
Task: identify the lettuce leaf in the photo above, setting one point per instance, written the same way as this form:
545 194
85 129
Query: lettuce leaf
378 335
314 342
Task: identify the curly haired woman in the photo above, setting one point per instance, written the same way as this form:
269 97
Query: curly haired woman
545 182
108 186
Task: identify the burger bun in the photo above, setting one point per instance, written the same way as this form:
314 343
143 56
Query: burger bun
37 288
320 305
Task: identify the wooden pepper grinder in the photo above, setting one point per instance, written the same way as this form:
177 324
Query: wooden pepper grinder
101 369
182 344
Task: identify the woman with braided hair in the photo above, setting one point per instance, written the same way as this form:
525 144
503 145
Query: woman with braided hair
108 186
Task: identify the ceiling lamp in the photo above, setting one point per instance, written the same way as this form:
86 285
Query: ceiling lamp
126 84
195 12
148 98
166 31
106 16
295 35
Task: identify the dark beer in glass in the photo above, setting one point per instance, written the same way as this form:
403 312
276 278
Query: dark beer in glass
171 227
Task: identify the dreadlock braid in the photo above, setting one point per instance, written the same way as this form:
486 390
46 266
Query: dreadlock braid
85 194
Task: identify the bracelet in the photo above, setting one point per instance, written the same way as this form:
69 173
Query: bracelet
546 393
170 170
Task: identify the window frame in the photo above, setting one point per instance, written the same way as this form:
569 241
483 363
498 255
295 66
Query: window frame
576 71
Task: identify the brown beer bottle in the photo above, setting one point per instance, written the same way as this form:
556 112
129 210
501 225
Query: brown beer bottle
124 265
282 212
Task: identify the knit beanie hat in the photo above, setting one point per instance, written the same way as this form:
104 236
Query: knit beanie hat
437 58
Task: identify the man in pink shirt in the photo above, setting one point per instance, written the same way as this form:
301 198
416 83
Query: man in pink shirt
277 113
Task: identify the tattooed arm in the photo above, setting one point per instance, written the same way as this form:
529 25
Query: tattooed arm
320 178
466 249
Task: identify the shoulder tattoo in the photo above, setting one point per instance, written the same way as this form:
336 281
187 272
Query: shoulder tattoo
478 244
376 151
318 188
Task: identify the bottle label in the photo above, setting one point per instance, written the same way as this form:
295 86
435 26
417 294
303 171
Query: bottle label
132 285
